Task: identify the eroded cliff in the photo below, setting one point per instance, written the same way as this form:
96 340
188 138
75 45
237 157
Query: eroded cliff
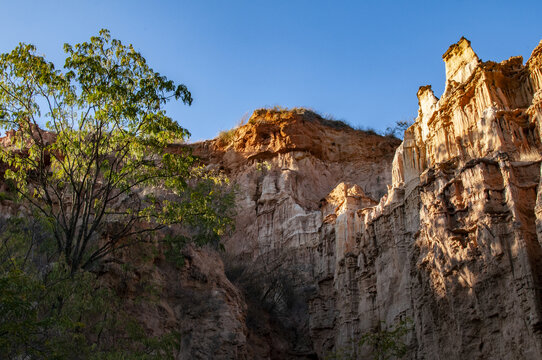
285 163
454 243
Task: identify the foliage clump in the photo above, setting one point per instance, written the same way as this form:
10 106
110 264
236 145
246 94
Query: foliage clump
47 312
398 129
106 143
90 161
226 137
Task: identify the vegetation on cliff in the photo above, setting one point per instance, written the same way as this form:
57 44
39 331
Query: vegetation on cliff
97 179
226 138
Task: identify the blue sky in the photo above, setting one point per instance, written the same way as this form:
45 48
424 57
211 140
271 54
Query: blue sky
360 61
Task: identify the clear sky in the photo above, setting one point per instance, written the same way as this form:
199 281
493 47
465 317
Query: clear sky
360 61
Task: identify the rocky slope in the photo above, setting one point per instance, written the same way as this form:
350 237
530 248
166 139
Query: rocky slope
454 243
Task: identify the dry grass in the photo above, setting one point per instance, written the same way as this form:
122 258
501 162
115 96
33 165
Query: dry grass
311 115
227 137
530 155
323 119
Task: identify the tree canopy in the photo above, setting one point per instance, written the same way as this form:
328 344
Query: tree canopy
88 150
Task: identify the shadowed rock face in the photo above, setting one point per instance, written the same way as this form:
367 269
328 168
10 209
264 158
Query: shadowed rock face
453 244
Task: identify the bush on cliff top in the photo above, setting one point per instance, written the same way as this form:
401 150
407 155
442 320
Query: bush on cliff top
382 344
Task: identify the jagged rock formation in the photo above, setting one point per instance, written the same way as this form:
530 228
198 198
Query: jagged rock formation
454 244
472 261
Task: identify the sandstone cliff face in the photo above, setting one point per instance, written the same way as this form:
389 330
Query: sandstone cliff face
286 164
454 244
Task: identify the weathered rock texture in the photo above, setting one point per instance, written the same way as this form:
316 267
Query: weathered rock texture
195 300
453 244
286 164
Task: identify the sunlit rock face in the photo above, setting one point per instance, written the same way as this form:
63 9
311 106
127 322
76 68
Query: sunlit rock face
285 163
460 62
346 232
455 245
480 155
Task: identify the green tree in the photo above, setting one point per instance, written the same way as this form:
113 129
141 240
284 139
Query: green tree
48 313
103 146
89 153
